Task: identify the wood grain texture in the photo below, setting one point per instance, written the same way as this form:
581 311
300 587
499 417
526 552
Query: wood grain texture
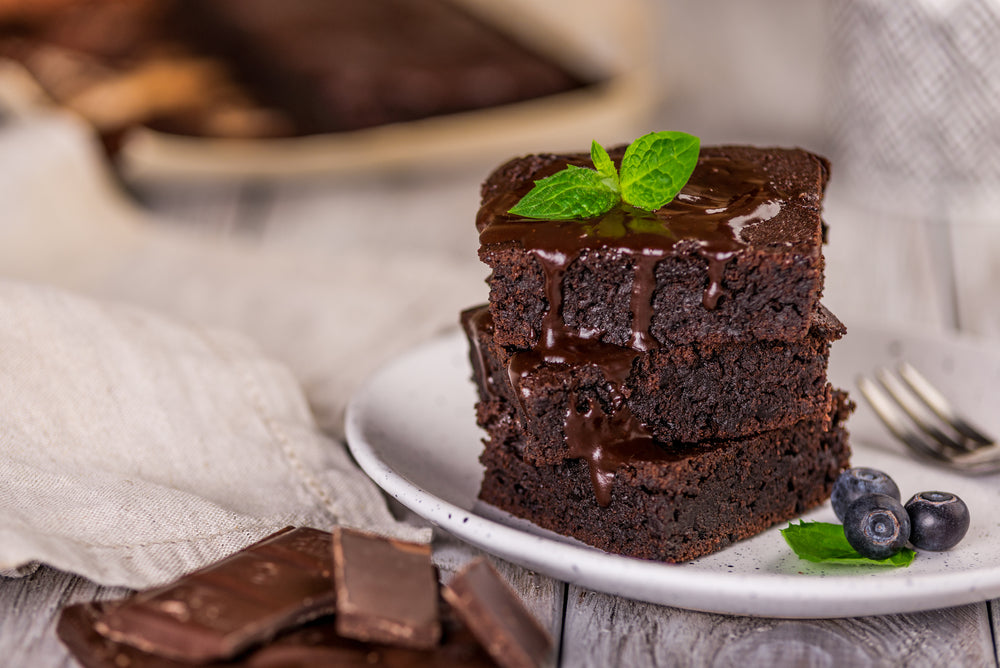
603 630
994 610
29 610
217 209
977 273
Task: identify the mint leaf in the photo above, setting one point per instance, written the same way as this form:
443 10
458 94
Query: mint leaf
822 542
605 167
575 192
654 169
656 166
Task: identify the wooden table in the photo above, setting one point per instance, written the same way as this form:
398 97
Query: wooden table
592 629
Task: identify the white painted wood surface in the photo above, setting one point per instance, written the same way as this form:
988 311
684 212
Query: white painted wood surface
878 269
592 629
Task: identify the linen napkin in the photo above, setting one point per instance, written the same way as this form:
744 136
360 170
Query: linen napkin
141 441
134 448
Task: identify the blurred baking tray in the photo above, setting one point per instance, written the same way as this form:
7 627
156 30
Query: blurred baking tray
604 42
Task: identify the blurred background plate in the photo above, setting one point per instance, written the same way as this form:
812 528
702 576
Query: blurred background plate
188 91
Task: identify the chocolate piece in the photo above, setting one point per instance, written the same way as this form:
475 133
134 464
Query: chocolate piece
496 616
387 590
689 393
315 644
735 256
219 611
75 629
681 505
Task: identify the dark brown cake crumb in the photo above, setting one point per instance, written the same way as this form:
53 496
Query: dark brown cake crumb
705 499
685 393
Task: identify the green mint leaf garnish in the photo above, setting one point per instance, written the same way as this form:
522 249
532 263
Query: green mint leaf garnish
656 166
575 192
654 169
822 542
605 167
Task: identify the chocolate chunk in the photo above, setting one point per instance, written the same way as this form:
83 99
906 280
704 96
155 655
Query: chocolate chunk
221 610
496 616
387 590
76 630
315 644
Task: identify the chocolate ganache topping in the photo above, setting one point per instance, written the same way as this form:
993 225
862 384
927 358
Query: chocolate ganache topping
722 200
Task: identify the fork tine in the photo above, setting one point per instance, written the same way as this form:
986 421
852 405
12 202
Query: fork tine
929 394
917 411
895 421
981 461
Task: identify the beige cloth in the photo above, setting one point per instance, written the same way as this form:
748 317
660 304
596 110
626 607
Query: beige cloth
133 448
138 442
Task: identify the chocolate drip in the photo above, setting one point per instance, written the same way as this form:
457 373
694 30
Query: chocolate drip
716 267
608 437
474 320
722 198
608 441
641 303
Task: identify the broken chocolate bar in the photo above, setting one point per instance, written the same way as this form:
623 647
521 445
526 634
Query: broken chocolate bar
315 644
496 616
387 590
221 610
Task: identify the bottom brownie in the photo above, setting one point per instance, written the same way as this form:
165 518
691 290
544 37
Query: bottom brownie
692 503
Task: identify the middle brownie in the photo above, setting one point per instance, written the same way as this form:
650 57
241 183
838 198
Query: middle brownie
687 393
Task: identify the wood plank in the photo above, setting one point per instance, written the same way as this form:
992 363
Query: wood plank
994 610
882 269
603 630
977 272
29 610
218 209
419 214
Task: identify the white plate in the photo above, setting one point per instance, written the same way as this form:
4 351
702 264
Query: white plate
412 429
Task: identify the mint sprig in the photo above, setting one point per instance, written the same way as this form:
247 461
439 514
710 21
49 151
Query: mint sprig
656 166
653 170
823 542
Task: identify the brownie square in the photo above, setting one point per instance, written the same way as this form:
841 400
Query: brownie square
736 256
690 502
689 393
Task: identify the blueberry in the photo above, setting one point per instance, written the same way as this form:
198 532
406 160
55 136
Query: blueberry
877 526
939 520
857 482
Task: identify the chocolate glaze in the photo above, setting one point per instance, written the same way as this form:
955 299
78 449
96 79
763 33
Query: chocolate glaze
724 197
478 319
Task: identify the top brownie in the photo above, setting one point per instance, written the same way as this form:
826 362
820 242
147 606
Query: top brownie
736 256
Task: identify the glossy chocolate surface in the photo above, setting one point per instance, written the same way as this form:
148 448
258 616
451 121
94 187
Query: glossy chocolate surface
217 612
387 590
496 616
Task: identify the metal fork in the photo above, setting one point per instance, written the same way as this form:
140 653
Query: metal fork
919 415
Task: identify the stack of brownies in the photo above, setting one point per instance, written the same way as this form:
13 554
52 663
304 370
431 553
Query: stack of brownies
654 384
